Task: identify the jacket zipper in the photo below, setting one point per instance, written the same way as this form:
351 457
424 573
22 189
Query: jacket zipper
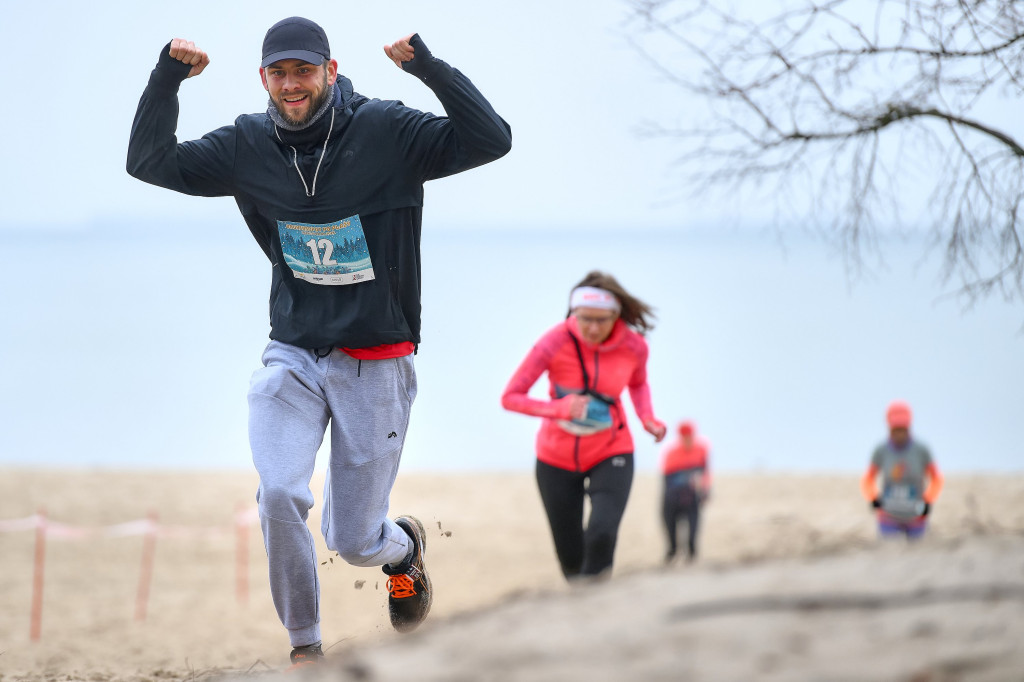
612 409
593 383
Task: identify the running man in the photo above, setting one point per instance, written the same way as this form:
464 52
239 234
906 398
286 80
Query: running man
906 466
687 479
330 183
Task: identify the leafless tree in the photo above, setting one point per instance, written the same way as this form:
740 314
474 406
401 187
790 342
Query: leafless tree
863 118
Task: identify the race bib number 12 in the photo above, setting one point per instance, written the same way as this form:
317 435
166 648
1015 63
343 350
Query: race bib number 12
330 253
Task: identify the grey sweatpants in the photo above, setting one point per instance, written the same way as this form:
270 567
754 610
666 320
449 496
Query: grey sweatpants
291 401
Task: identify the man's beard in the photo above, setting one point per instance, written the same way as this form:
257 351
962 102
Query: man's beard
311 110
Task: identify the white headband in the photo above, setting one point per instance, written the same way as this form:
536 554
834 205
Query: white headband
592 297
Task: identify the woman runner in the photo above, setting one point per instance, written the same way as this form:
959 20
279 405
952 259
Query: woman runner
584 447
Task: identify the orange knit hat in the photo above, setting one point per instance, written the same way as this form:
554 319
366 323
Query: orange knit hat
898 415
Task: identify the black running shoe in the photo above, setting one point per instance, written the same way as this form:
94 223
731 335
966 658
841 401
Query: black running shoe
303 656
409 593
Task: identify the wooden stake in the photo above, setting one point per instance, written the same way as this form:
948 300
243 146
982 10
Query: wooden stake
241 556
36 621
146 569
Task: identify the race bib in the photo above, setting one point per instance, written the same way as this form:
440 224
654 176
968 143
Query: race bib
902 500
598 417
330 253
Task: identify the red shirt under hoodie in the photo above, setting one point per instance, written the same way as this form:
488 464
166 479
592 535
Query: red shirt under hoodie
618 363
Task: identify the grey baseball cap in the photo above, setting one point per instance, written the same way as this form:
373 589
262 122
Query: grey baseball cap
295 38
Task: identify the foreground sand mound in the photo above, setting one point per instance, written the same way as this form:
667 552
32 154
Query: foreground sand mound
792 583
949 611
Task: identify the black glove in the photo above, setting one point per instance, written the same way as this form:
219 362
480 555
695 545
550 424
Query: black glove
927 508
876 503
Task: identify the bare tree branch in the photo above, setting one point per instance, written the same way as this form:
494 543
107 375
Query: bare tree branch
844 112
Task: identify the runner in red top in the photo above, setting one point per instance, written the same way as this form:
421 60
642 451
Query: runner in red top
687 486
584 447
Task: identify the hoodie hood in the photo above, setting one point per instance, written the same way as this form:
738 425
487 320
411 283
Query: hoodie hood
345 96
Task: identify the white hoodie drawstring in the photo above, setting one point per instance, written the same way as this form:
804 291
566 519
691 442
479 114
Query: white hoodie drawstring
295 157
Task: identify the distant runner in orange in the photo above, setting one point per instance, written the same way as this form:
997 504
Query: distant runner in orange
910 480
687 486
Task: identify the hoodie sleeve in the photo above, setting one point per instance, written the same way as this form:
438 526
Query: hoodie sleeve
471 135
869 484
639 390
706 482
515 396
199 167
935 482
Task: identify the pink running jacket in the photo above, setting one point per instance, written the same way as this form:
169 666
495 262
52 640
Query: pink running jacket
618 363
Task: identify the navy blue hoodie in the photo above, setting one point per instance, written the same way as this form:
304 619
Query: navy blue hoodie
377 157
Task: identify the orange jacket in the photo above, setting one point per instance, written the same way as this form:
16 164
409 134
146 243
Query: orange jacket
678 457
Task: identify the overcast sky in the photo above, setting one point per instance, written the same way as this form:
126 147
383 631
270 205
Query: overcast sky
771 348
561 73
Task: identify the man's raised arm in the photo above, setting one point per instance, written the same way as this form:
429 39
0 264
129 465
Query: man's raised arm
474 133
200 167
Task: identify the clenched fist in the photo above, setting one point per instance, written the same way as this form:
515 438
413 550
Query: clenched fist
186 52
400 50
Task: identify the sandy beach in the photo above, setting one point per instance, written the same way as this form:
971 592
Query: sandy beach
791 583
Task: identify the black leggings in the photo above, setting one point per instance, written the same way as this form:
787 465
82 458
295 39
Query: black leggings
586 551
681 502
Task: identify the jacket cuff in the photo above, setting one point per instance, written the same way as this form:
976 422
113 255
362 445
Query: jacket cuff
434 72
169 72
